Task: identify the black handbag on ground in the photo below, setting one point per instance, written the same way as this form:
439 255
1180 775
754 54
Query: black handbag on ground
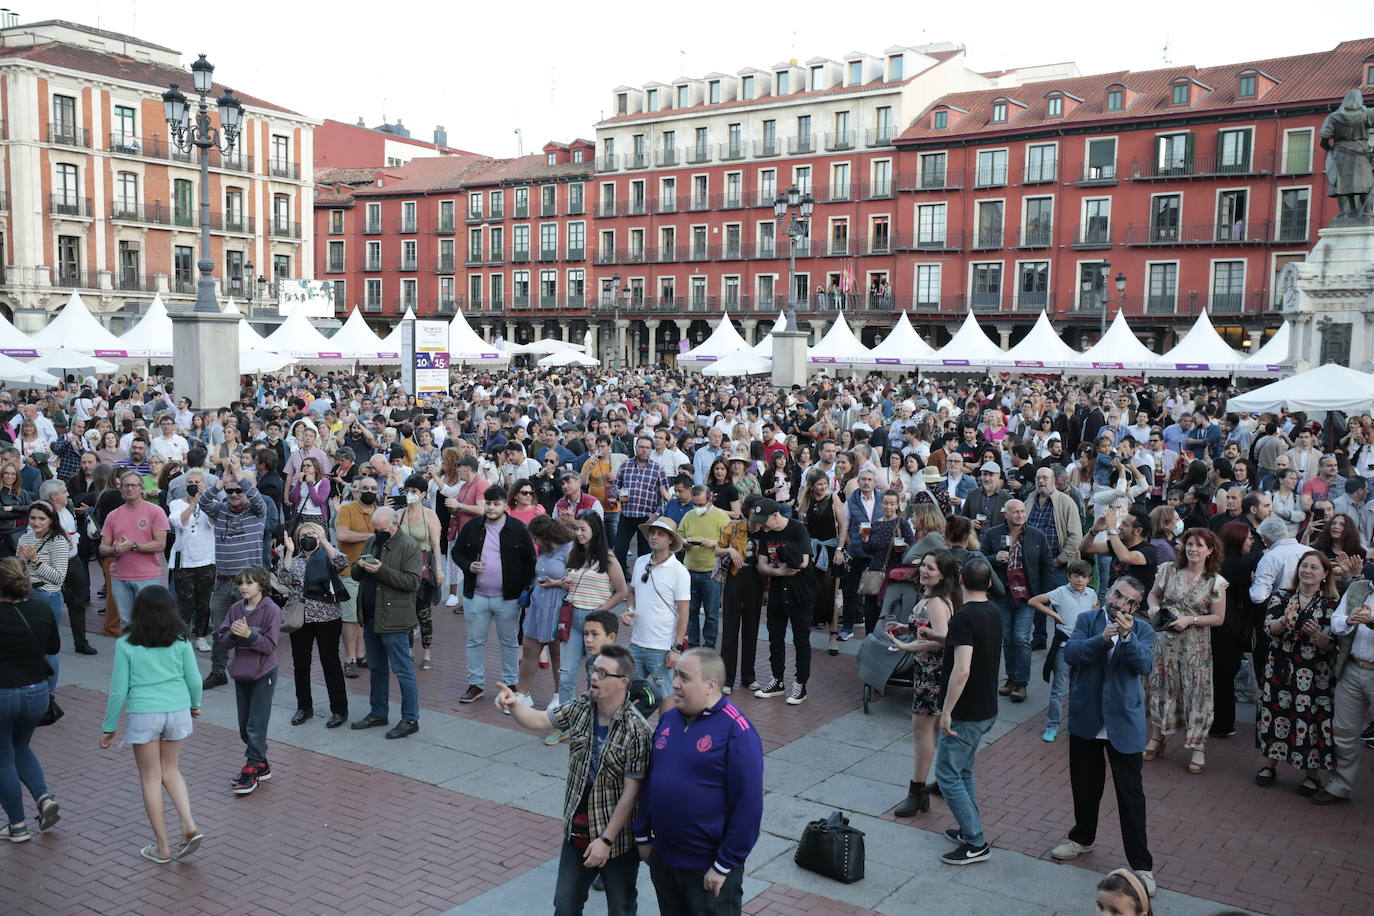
832 848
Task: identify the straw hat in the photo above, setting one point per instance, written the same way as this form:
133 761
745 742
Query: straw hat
663 523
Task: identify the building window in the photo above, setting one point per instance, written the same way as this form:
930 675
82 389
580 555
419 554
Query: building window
927 285
577 241
1248 86
576 199
1101 160
126 194
682 96
941 119
281 267
336 256
934 170
1174 154
128 266
1180 94
548 200
520 287
496 248
1033 284
839 181
879 235
522 202
880 185
281 152
125 125
1041 162
1233 151
1228 285
548 288
548 241
817 77
896 67
409 257
183 202
1116 99
768 185
856 72
1297 151
1165 210
747 88
987 285
700 140
839 236
409 293
651 104
992 168
551 159
1096 221
68 259
446 248
1162 288
408 223
1055 106
1091 277
801 177
1038 225
183 262
783 81
520 242
498 289
930 225
767 239
336 217
374 256
1293 207
281 214
622 103
999 112
713 89
373 293
990 222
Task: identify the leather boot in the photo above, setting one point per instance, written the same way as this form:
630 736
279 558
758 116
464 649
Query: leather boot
916 797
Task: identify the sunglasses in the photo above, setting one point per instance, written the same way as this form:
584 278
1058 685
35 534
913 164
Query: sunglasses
601 673
232 491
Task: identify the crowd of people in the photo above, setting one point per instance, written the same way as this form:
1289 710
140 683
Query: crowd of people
1169 557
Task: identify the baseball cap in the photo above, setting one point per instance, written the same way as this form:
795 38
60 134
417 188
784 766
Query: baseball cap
764 508
991 467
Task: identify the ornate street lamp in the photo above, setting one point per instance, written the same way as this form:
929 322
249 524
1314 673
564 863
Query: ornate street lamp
792 211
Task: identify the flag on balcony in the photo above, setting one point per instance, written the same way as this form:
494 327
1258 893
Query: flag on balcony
847 278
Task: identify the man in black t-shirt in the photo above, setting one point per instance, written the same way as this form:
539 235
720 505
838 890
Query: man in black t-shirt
783 548
1130 553
973 649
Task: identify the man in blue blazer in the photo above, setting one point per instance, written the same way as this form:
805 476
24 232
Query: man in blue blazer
863 507
1109 654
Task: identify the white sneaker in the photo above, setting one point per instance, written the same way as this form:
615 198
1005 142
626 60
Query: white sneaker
553 704
524 699
1147 878
798 694
452 601
725 690
202 644
1070 850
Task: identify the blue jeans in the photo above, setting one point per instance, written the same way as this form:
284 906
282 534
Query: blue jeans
612 522
575 880
705 598
627 530
1040 627
652 665
222 597
1016 640
1059 688
254 700
387 652
954 757
570 657
478 613
20 710
54 599
1104 569
124 592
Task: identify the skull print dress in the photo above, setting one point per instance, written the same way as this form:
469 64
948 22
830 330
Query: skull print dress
1293 715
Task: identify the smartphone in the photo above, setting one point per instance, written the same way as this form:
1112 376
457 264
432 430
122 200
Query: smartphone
1318 513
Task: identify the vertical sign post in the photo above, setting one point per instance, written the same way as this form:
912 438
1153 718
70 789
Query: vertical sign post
424 357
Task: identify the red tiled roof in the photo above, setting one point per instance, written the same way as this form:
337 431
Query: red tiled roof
940 58
1303 78
424 173
527 168
117 66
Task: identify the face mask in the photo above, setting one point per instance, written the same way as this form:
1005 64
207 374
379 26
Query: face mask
192 489
1178 527
701 510
309 542
368 499
412 498
382 537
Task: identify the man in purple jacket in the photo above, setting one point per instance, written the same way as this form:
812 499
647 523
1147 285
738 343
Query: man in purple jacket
702 801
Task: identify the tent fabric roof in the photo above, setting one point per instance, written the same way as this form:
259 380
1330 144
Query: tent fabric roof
723 341
355 340
75 328
152 336
902 347
742 362
971 349
839 347
464 346
298 337
14 372
764 347
14 342
1042 348
1327 387
1268 359
1119 348
568 357
1200 352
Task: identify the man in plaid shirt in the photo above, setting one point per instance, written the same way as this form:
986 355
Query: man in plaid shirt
607 763
643 489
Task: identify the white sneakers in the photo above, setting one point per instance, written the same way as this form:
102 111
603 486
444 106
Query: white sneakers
202 644
452 601
1070 850
524 699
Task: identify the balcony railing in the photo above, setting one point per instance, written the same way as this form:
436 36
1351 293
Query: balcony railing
1094 235
334 267
405 226
1255 232
284 229
990 176
802 143
519 255
474 258
983 239
496 255
278 168
731 151
729 200
767 147
1042 173
444 266
546 209
698 202
874 190
879 136
521 211
1034 300
234 222
606 163
637 207
407 265
1098 174
63 134
404 301
1037 235
838 248
372 265
69 205
636 161
1292 229
667 157
605 209
929 241
1258 162
576 253
448 305
833 192
576 207
698 154
76 279
933 179
665 204
130 282
839 140
445 225
372 305
548 254
877 244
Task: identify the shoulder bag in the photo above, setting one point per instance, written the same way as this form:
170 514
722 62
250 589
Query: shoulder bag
871 581
55 711
832 848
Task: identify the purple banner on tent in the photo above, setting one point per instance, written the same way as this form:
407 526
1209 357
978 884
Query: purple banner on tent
329 356
1108 366
388 356
955 362
1273 368
1192 367
684 345
887 361
1029 364
116 354
706 358
20 353
822 359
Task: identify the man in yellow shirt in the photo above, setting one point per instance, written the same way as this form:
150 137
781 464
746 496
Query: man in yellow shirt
701 528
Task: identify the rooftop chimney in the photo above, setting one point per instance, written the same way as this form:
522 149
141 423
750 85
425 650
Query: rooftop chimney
361 122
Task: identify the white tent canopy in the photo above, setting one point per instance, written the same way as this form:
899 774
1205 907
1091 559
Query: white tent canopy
969 351
25 375
392 341
544 347
1042 348
466 348
1327 387
1200 352
249 339
764 347
73 360
839 347
1268 359
152 336
254 361
723 341
1119 349
568 357
75 328
356 341
903 348
297 337
14 342
743 362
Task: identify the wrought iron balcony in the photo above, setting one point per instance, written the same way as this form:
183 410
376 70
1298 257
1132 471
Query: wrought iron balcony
1037 235
69 205
284 229
278 168
769 146
1093 235
802 143
879 136
839 140
1097 175
61 133
1257 162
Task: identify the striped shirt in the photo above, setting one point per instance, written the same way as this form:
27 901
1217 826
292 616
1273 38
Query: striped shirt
238 535
50 567
588 588
641 488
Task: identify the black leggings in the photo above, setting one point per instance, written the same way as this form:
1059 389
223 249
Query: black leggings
326 635
780 615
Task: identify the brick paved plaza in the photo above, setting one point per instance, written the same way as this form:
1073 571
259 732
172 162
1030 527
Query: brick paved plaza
462 817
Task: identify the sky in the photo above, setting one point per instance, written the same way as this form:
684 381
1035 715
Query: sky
497 76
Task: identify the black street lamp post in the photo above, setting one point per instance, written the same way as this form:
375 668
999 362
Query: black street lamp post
792 211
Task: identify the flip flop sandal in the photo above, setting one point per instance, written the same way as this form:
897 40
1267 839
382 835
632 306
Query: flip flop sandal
189 845
149 852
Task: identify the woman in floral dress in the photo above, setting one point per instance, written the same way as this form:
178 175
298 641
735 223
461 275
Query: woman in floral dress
1188 598
1294 712
940 585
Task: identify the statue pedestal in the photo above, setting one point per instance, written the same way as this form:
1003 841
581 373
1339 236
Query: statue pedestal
1329 298
789 358
205 358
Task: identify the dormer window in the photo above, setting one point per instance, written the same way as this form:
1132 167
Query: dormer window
653 100
856 72
941 119
783 81
577 155
1179 94
1116 99
896 67
552 159
1055 106
713 91
1369 71
681 96
747 88
622 103
1247 87
999 112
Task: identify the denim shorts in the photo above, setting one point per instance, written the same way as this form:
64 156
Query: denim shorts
652 665
142 727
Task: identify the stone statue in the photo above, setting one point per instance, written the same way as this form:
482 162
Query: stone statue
1349 169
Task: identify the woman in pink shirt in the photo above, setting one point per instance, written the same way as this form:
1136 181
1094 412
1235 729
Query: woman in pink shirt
523 505
309 495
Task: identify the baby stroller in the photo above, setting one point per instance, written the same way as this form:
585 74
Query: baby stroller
881 665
